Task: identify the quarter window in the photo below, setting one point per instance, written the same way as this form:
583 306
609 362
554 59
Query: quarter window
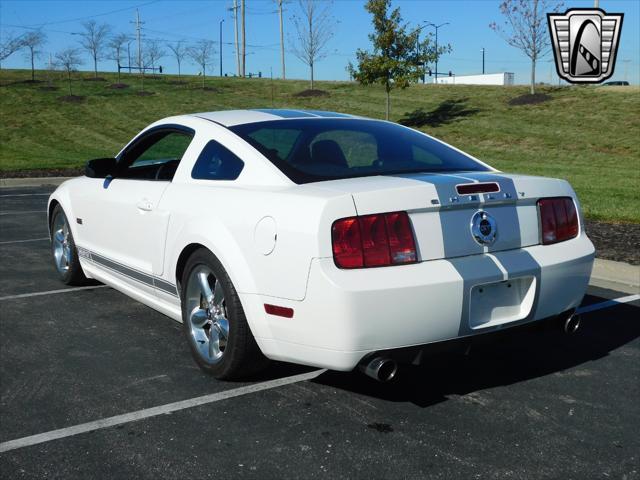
217 163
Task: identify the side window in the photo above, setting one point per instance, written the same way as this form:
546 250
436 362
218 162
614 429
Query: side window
216 163
276 140
156 156
421 155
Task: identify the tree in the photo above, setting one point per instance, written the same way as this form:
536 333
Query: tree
202 54
314 29
525 27
117 45
397 58
69 60
154 52
179 51
10 45
33 41
94 40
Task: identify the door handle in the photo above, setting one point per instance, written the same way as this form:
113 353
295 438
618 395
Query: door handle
145 205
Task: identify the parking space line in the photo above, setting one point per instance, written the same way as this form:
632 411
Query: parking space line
51 292
25 195
607 304
24 241
155 411
26 211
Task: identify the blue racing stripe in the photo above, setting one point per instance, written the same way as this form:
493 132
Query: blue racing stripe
284 113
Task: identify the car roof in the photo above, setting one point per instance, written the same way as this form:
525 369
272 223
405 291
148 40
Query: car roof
230 118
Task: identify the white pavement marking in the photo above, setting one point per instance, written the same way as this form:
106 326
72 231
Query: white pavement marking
25 195
27 211
155 411
24 241
51 292
607 304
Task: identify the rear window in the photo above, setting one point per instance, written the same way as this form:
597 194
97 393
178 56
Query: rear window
311 150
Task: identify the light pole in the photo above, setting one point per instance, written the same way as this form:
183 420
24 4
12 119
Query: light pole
483 60
418 30
437 55
129 54
221 22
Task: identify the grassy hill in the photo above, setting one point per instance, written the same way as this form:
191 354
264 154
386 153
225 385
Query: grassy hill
588 135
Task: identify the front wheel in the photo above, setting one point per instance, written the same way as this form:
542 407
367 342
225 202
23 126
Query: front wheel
64 251
214 322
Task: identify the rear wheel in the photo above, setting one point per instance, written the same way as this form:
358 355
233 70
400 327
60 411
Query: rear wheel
64 251
214 322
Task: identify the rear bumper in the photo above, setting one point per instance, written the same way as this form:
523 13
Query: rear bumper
347 314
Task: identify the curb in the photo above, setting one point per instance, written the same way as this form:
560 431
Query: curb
32 182
619 276
608 274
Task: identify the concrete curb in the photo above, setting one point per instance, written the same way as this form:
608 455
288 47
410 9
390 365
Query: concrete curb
32 182
607 274
619 276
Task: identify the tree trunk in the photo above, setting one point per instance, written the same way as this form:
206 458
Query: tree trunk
95 67
388 103
533 76
69 79
311 67
203 75
33 68
178 69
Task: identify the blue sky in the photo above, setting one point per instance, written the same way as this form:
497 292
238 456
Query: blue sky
467 32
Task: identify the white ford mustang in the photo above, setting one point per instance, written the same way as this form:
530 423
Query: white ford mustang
319 238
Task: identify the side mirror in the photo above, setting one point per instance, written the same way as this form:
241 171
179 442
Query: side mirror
100 167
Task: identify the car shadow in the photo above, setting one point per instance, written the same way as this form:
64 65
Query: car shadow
525 355
446 112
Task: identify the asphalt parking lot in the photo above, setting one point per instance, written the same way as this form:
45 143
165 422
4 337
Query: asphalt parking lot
532 405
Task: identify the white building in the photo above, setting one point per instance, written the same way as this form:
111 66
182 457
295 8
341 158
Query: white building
504 78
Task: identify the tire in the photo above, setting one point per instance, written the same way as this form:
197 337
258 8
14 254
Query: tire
214 322
64 251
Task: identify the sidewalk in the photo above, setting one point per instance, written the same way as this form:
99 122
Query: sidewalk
608 274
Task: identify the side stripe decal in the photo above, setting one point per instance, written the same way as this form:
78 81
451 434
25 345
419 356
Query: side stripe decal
141 277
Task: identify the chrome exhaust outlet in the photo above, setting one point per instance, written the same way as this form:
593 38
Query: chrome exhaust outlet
379 368
571 324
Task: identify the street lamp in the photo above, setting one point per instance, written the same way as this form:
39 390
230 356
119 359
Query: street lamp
221 22
483 60
437 27
418 30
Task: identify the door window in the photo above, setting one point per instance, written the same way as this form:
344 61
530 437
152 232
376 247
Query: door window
155 156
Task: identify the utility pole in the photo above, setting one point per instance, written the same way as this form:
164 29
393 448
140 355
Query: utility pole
138 24
596 4
483 60
234 9
244 40
221 22
284 76
437 54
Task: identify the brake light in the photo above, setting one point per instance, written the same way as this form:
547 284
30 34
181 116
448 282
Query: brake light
373 241
558 219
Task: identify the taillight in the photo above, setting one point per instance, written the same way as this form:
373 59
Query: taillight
373 241
558 219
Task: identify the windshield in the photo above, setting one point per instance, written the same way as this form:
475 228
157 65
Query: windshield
311 150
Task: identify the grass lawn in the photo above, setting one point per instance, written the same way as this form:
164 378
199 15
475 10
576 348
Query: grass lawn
587 135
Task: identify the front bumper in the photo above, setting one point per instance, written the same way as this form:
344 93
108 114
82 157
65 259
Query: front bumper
347 314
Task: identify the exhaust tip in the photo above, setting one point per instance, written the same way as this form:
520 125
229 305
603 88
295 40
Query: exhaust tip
571 324
380 369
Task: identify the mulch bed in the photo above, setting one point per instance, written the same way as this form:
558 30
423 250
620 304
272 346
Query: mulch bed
48 89
118 86
210 89
72 98
312 93
45 172
529 99
615 241
145 94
